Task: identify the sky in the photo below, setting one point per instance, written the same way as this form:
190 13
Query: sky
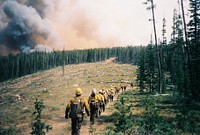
79 24
114 22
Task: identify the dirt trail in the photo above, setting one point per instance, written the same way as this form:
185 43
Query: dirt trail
100 124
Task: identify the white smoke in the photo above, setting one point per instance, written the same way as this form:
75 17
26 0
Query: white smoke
40 48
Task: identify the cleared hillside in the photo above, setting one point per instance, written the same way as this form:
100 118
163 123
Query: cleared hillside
55 89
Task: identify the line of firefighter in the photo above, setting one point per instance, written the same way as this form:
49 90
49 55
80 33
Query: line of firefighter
98 101
94 106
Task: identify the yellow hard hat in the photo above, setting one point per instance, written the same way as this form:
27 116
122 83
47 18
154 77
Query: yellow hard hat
94 91
103 91
78 91
100 91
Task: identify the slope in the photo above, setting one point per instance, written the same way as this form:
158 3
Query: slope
55 89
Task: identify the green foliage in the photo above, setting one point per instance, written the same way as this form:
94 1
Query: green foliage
150 114
92 130
185 116
151 122
141 77
194 47
8 131
124 120
151 71
38 126
194 23
180 58
147 74
110 129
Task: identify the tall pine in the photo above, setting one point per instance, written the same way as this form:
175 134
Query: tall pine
194 41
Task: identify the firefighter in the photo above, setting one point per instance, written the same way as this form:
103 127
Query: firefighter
117 88
111 94
104 91
94 103
75 110
123 87
102 102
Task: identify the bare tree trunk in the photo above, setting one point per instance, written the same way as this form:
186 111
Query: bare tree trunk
185 33
157 50
186 49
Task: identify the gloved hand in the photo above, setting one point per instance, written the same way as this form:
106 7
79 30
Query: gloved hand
66 117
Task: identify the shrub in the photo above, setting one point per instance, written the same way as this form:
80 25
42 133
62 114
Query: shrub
38 127
124 119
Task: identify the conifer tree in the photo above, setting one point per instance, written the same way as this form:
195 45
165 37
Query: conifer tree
194 23
194 39
163 55
151 72
164 38
141 77
124 122
39 127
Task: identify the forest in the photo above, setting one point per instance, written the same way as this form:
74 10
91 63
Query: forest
176 62
161 66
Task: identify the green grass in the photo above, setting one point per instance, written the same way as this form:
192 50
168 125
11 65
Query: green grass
168 107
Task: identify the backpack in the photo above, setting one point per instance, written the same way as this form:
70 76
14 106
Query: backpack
93 103
76 109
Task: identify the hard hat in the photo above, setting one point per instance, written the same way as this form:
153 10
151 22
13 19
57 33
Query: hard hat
103 91
94 91
78 91
100 91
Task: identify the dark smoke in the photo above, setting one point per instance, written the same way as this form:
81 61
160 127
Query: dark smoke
21 26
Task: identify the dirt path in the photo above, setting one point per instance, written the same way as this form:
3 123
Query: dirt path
98 127
100 124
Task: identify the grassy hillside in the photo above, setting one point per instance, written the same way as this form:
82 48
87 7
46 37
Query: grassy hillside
55 89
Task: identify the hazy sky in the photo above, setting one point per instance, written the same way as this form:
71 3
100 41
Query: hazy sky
96 23
79 24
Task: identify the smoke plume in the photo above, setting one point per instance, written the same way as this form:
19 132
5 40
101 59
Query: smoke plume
33 25
38 25
24 28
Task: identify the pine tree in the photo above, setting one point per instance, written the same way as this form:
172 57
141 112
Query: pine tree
194 23
164 38
124 117
194 39
151 72
141 77
177 55
163 55
39 127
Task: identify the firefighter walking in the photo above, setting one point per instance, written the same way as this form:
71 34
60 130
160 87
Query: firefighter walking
94 103
75 110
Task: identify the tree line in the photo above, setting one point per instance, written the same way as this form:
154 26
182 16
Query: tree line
13 66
